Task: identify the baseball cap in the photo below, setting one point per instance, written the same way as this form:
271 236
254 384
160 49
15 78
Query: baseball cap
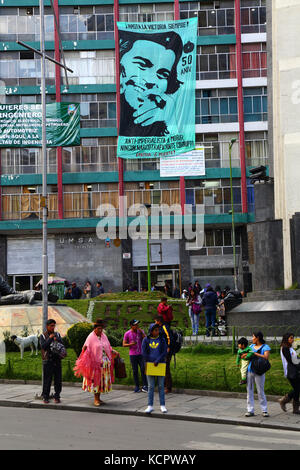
134 322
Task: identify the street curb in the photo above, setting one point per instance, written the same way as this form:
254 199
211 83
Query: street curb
168 416
182 391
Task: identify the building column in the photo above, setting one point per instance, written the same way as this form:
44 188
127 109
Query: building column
181 178
3 256
58 100
117 58
0 186
239 69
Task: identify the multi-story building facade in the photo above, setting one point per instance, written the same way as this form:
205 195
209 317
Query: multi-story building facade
231 102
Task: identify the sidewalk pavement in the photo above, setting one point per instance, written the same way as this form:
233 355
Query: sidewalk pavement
187 405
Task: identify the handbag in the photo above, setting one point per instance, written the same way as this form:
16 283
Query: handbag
196 309
120 368
260 365
58 350
293 371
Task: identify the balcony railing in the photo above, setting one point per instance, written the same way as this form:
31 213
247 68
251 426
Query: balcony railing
27 206
217 153
216 156
86 204
17 169
97 167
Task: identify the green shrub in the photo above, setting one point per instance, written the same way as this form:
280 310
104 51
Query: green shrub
115 337
66 342
10 346
77 335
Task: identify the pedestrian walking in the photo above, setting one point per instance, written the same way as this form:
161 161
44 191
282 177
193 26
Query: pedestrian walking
166 334
51 362
291 368
76 291
184 294
133 340
96 363
261 350
154 350
99 289
167 289
194 305
165 310
88 290
210 302
197 288
68 294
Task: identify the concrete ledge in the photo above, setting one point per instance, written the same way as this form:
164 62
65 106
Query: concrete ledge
179 391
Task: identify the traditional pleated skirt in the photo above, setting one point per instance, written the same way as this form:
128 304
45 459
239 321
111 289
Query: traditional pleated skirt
105 385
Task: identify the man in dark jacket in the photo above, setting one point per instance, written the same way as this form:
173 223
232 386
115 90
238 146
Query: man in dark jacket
51 363
76 292
210 302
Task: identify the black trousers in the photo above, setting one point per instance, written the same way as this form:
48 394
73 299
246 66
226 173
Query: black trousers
295 383
52 369
136 362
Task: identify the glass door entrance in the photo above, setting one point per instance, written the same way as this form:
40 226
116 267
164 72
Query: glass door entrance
160 278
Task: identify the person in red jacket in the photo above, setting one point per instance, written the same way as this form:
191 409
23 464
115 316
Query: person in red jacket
165 310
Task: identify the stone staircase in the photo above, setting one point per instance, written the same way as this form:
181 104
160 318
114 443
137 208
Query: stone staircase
272 295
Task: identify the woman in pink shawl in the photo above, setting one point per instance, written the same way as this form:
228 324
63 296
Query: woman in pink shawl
96 363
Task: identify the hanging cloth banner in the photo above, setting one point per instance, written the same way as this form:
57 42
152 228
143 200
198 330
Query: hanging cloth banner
157 88
21 125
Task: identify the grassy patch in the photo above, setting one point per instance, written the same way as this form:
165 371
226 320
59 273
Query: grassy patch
118 309
204 367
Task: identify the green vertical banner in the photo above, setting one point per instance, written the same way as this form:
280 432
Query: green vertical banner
21 125
157 88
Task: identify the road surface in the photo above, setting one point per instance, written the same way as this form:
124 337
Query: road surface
35 429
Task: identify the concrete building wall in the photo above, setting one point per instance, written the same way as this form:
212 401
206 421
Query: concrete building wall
212 263
286 118
3 265
265 249
270 85
82 256
264 201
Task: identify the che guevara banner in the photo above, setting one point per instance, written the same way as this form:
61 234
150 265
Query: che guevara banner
21 125
157 88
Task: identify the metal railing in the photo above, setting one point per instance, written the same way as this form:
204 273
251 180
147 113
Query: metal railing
81 167
27 206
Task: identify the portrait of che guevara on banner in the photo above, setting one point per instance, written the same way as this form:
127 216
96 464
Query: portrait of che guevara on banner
157 88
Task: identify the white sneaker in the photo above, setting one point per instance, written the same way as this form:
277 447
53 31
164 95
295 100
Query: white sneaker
163 409
149 409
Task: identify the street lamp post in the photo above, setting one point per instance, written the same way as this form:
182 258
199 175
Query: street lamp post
232 216
43 56
148 249
44 160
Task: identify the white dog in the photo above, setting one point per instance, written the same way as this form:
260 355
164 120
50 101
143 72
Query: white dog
23 343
